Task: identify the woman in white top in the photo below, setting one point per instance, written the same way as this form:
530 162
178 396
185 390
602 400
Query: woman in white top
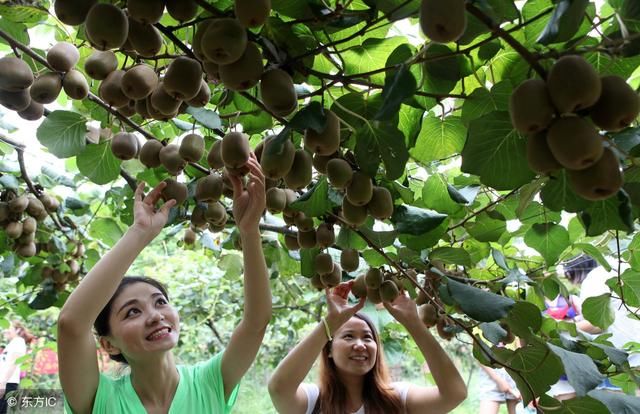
353 375
18 337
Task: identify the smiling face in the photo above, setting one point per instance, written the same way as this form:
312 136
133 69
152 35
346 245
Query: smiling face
354 349
141 322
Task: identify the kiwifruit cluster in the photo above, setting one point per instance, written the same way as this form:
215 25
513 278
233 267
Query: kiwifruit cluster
67 269
16 81
562 119
443 21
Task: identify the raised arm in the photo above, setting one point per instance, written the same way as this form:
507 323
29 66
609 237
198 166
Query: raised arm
284 385
78 363
248 206
450 388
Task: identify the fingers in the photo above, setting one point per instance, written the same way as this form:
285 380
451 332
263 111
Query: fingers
138 195
167 206
155 194
360 304
237 185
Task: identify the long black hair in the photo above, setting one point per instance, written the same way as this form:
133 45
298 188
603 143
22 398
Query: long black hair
577 269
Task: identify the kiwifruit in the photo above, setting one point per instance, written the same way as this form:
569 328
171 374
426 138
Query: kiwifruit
574 142
192 147
128 109
59 276
33 112
227 187
300 174
27 250
216 213
214 158
203 96
292 196
277 164
75 84
316 282
79 250
325 235
175 191
252 13
50 203
245 72
573 84
428 314
320 162
198 218
212 69
288 220
63 56
373 295
291 242
443 21
223 41
339 173
303 223
600 181
15 74
190 236
18 204
171 159
276 200
106 26
278 92
13 229
333 278
15 101
444 327
36 209
72 12
162 101
100 64
618 105
326 142
201 28
46 88
235 149
141 108
373 278
307 239
110 89
4 211
531 107
150 153
352 214
182 78
349 259
139 81
389 291
539 156
381 204
146 11
360 189
29 225
323 263
124 146
359 288
182 10
26 238
209 188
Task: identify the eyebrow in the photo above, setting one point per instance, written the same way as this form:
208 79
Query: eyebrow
132 301
366 331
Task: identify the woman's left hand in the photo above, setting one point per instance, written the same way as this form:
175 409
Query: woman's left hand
403 309
249 203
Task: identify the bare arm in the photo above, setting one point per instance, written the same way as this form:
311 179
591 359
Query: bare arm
450 388
248 206
78 363
284 385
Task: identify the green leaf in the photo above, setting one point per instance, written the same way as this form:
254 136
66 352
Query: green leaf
23 14
384 141
98 163
593 251
16 30
486 229
479 304
63 133
576 405
439 139
416 221
398 9
617 403
548 239
205 117
605 215
499 258
524 318
615 355
557 195
443 69
370 55
379 238
493 332
105 229
348 239
581 371
436 195
9 181
597 310
315 202
396 89
312 116
565 21
496 152
482 101
451 255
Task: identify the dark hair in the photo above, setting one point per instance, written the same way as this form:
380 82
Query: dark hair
577 269
101 325
22 331
379 397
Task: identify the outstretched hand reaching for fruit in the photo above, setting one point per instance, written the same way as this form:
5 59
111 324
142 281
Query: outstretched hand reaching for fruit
146 218
249 203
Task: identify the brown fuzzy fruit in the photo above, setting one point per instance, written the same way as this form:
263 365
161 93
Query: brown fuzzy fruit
190 236
303 223
75 85
203 96
339 173
445 328
252 13
573 84
100 64
323 263
245 72
333 278
216 213
50 203
63 56
198 219
352 214
182 10
18 204
223 41
27 250
175 191
15 74
381 204
350 260
235 149
145 39
530 107
13 229
320 162
15 101
214 158
428 314
163 102
278 92
106 26
46 88
171 159
29 225
209 188
326 142
182 78
443 21
618 105
300 174
139 82
307 239
36 209
359 288
373 278
110 89
574 142
124 146
373 295
316 282
291 242
33 112
276 162
600 181
192 148
539 156
276 200
389 291
360 189
150 153
73 12
146 11
325 235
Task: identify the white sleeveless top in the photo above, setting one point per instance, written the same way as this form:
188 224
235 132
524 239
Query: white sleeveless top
312 391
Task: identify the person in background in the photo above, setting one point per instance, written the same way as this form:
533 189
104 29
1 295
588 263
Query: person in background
18 338
497 387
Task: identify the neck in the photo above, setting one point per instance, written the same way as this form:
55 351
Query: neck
354 385
155 380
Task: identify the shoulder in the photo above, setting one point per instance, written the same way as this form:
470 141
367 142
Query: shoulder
313 392
207 369
17 344
402 388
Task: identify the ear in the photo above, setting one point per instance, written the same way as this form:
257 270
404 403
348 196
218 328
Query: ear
109 346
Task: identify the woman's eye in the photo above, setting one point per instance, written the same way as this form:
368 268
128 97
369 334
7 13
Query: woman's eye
131 310
161 301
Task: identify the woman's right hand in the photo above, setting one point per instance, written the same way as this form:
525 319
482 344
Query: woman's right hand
147 219
339 311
